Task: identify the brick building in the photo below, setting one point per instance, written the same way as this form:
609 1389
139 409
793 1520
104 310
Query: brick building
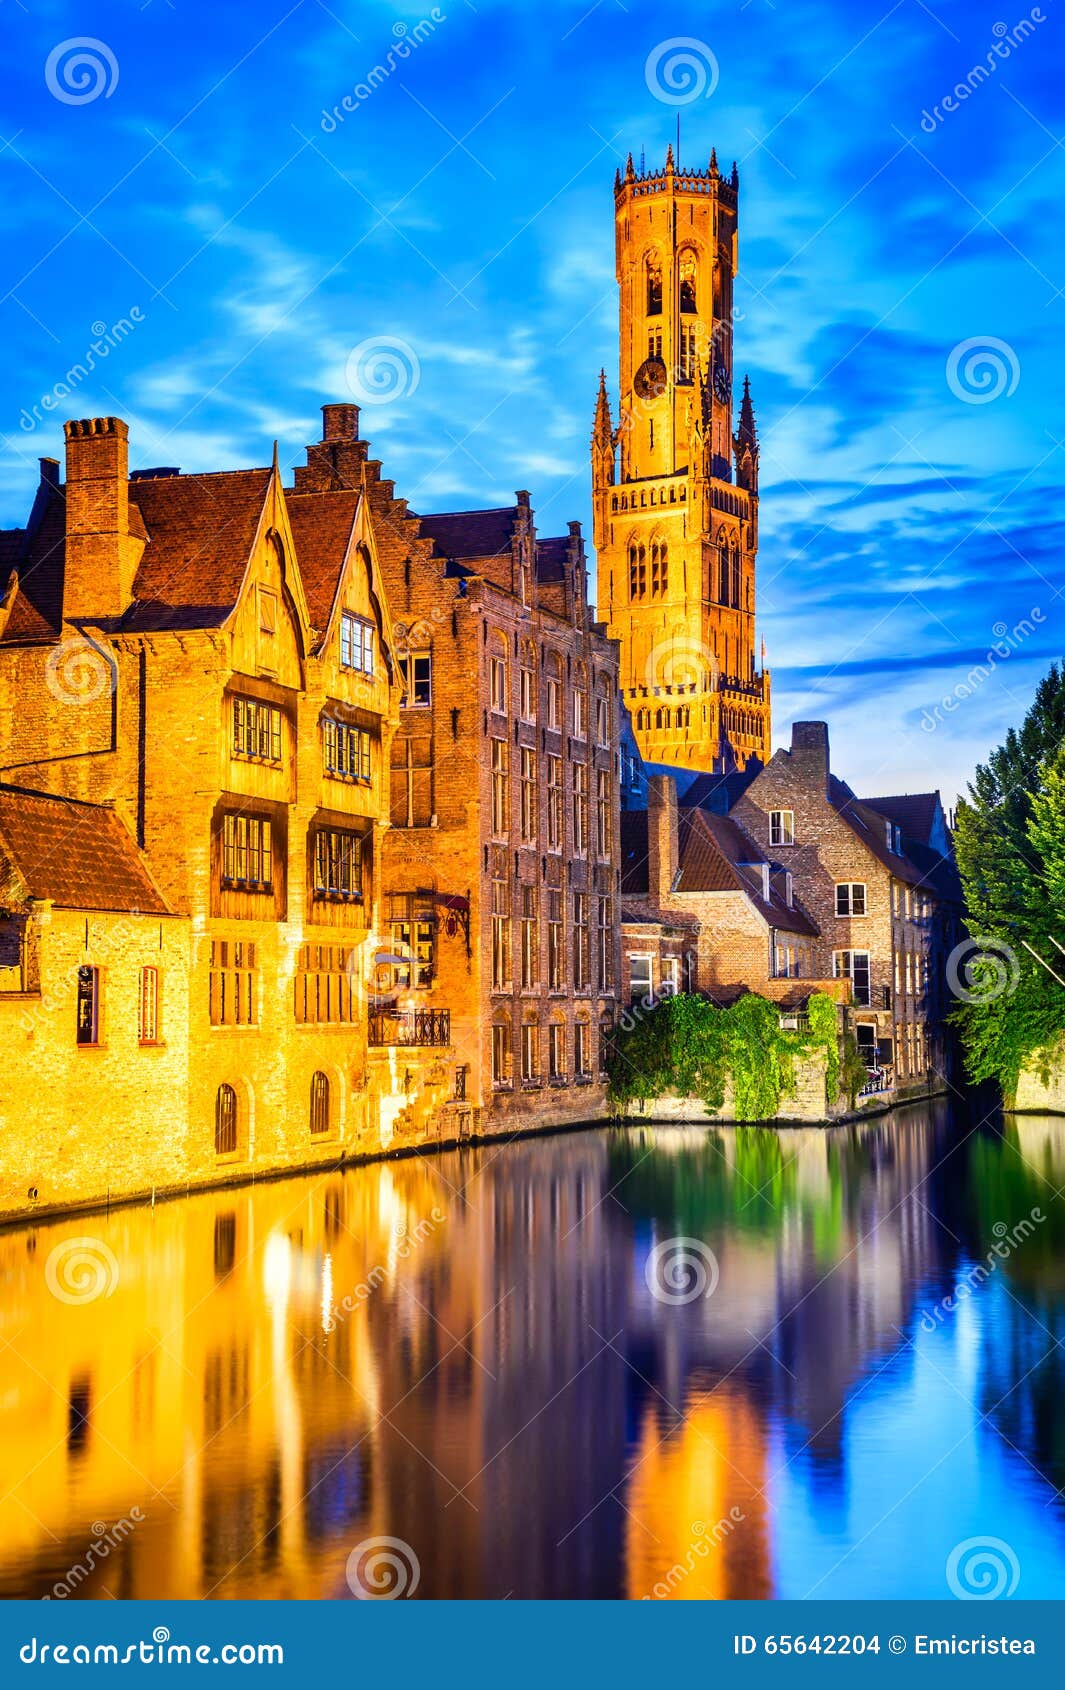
220 673
500 863
706 910
878 881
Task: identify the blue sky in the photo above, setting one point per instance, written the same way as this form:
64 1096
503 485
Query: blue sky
462 207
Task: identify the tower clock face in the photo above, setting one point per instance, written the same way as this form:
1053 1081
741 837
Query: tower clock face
650 380
722 384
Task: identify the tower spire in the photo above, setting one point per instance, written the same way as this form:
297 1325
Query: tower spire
602 438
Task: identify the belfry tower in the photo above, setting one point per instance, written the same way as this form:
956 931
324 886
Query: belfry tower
674 483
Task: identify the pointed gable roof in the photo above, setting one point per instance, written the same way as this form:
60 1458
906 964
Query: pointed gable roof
322 525
200 533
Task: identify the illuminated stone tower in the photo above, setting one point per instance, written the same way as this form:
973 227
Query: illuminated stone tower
674 485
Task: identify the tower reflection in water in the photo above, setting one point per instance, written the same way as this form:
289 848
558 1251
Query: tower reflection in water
466 1353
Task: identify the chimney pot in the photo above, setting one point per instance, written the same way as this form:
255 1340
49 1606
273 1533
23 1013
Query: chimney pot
340 422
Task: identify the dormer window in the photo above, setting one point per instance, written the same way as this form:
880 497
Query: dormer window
356 643
781 827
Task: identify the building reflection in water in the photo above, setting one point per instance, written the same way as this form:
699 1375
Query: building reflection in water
464 1353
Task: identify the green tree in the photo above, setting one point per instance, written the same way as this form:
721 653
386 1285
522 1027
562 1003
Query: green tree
1010 846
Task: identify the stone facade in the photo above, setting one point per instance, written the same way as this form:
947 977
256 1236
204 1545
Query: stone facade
675 481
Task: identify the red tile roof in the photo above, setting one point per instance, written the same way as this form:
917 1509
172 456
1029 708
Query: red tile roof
321 528
201 529
914 812
552 557
471 534
711 850
80 856
35 554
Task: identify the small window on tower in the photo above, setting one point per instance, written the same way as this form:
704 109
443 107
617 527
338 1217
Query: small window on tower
687 281
654 287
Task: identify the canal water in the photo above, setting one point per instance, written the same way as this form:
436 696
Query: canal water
666 1362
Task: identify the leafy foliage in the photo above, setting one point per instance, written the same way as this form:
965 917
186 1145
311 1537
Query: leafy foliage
687 1045
1010 847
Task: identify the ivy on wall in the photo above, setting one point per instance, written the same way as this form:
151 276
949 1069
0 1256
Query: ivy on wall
691 1047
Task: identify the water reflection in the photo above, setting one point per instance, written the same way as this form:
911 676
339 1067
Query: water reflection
464 1353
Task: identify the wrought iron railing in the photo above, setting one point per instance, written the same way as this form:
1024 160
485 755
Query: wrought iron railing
880 1080
410 1027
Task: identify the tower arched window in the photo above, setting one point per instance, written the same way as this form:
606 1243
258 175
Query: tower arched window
723 568
654 286
688 279
637 571
659 569
734 576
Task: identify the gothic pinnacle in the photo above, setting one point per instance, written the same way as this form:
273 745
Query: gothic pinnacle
669 156
735 174
713 161
630 171
747 433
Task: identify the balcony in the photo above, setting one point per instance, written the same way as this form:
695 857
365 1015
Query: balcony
410 1027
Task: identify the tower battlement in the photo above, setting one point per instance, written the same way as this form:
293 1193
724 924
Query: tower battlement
672 178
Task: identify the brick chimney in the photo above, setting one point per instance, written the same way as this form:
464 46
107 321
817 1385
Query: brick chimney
340 422
338 458
809 751
662 836
101 553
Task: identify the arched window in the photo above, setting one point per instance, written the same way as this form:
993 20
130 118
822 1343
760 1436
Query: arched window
659 569
319 1104
688 270
654 285
225 1121
723 568
637 572
734 575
